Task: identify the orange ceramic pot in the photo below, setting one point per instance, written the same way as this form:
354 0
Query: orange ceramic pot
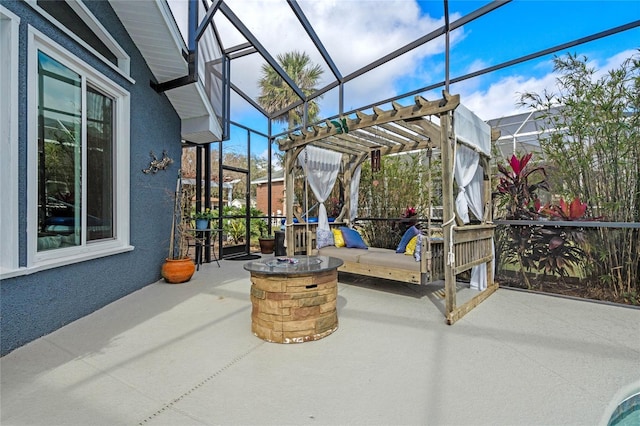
177 271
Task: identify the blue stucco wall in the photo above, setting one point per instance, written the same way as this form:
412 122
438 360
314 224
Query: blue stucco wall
35 305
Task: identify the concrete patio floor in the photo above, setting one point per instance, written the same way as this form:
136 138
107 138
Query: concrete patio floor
185 355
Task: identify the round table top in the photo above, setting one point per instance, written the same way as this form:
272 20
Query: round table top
282 265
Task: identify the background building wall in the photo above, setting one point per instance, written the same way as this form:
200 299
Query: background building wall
277 197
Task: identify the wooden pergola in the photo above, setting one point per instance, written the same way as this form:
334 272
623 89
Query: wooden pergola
423 125
401 129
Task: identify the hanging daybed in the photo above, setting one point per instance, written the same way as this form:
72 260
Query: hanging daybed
464 142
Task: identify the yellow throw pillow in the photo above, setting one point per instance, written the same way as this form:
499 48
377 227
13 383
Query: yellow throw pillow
337 238
411 246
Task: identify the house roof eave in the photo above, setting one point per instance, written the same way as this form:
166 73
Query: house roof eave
155 33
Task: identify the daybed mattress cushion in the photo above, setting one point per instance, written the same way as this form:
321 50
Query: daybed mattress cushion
373 256
346 254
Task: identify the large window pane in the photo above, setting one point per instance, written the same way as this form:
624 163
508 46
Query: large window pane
99 165
59 154
78 160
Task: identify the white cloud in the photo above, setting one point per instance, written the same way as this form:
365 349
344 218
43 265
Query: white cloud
613 62
355 33
501 98
476 65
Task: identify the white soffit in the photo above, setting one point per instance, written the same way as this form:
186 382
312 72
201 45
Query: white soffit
154 31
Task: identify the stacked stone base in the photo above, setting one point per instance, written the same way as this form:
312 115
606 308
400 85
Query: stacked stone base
294 308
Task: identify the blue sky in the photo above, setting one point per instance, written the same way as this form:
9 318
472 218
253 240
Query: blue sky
356 32
524 27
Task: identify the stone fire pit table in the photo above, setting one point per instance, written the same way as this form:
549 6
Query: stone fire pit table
294 299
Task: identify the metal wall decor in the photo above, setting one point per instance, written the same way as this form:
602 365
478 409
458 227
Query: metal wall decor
158 164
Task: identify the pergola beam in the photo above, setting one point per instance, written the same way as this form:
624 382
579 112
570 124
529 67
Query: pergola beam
390 138
395 150
423 127
337 147
398 129
363 145
421 108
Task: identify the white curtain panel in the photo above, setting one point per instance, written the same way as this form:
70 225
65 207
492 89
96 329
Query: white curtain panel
468 175
465 171
470 129
321 168
355 190
473 195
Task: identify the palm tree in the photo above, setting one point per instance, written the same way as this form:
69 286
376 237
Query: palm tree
276 95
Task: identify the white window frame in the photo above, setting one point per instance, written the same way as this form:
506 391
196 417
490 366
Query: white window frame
124 61
9 247
92 249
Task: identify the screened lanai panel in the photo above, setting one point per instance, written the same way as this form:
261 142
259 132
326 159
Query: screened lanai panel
247 115
235 151
241 23
259 164
370 20
521 133
210 68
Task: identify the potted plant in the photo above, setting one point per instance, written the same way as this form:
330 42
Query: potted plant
267 241
178 267
202 218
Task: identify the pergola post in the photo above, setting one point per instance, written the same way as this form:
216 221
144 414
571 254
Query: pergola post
448 211
348 167
289 164
488 206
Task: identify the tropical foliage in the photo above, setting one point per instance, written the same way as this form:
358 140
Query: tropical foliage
593 123
565 246
396 194
276 95
554 250
234 224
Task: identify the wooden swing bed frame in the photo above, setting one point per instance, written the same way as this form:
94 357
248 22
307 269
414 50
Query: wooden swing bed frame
400 129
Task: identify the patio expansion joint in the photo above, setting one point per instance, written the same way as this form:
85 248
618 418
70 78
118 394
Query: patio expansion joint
170 404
